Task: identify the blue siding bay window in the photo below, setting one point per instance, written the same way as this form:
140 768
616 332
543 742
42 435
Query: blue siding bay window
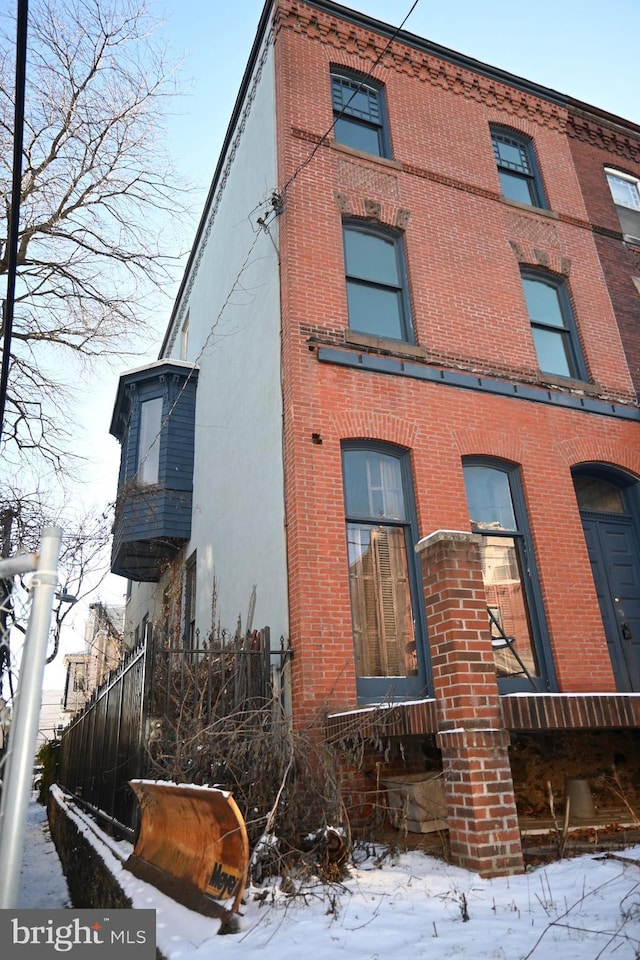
154 420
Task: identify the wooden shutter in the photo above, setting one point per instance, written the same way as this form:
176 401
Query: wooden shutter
381 603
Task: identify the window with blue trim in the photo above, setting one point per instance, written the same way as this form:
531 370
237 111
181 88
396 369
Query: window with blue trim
385 605
497 512
149 440
553 326
517 169
359 112
377 288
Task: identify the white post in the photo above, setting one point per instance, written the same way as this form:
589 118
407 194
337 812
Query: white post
23 734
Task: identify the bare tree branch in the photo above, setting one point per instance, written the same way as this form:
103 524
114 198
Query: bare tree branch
98 197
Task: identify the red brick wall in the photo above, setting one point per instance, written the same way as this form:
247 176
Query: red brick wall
464 246
620 261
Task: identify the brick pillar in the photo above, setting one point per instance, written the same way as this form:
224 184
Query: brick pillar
483 822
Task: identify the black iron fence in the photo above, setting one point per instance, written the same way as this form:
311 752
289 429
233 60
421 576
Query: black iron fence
134 714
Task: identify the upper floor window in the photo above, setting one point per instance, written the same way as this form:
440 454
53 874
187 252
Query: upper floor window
553 327
359 114
376 282
625 191
517 170
149 440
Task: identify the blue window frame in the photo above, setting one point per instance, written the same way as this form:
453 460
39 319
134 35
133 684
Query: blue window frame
517 169
377 287
497 512
386 603
360 118
149 434
553 326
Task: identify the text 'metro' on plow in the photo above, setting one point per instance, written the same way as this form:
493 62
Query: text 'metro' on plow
192 845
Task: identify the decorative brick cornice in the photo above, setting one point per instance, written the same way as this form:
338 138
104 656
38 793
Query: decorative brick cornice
604 136
367 45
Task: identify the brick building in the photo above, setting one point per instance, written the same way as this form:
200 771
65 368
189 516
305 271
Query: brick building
606 154
397 394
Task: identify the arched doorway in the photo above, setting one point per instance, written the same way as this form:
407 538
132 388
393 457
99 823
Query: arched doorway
605 498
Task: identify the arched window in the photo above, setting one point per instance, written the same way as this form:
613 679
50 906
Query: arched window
377 290
386 608
360 118
497 513
552 324
517 169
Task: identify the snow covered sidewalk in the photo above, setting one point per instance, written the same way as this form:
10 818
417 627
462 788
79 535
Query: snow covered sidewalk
42 882
404 907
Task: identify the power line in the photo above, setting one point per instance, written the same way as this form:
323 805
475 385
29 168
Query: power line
357 90
274 208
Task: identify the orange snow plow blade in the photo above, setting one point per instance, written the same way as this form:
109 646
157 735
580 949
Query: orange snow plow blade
192 845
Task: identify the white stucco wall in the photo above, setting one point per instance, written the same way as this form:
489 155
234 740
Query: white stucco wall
234 337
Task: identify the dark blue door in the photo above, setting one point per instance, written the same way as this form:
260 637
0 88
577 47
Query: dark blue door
615 562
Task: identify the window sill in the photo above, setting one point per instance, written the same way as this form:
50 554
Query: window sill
570 383
530 208
362 155
384 344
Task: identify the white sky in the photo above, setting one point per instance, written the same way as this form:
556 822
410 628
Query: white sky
579 47
403 908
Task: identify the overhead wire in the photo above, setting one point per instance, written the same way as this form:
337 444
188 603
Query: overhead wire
274 207
367 76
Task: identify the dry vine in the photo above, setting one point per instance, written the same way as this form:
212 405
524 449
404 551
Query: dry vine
216 724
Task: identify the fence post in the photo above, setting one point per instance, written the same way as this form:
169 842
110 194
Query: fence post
24 725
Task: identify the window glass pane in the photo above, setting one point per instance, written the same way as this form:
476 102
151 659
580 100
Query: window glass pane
375 310
543 302
373 485
360 136
370 257
489 498
595 494
149 440
381 601
506 600
511 154
624 192
356 99
551 349
515 188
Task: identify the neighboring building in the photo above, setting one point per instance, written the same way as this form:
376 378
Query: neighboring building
53 717
395 396
89 668
606 154
76 687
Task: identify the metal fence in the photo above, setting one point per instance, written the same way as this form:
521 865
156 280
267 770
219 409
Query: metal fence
109 742
103 748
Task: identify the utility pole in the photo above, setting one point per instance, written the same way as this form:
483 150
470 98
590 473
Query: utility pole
14 212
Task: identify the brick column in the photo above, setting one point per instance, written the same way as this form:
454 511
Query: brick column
483 822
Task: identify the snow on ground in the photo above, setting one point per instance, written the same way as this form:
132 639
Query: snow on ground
42 882
403 907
